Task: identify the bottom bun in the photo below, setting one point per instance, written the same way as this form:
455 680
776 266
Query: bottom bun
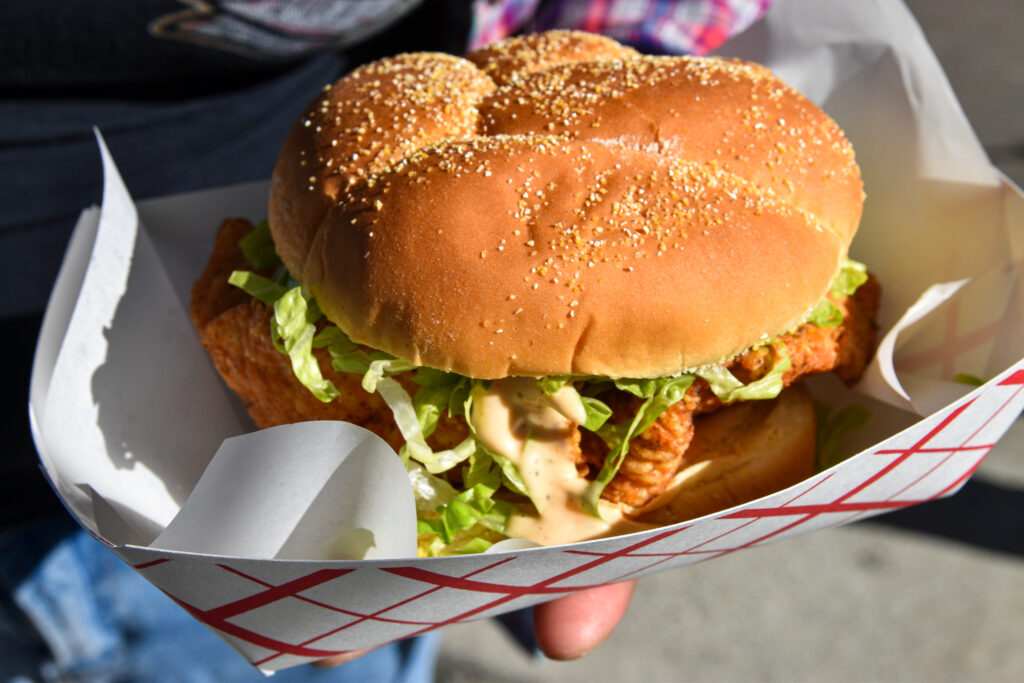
740 454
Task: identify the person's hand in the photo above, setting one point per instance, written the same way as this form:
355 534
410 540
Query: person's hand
570 627
340 659
566 628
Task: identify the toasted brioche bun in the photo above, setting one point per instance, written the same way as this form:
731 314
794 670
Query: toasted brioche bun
739 454
586 211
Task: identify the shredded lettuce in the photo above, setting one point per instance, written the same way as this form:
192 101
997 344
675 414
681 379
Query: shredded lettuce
431 492
382 368
729 389
439 393
597 413
450 521
258 287
470 519
258 248
416 415
552 383
510 474
401 405
346 356
293 327
458 523
832 429
968 379
851 275
658 395
826 314
398 400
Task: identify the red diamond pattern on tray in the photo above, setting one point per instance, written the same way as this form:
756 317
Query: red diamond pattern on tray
349 605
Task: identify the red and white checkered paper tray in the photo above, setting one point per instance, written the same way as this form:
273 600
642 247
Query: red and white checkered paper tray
127 410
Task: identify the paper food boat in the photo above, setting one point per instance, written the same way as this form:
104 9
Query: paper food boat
127 410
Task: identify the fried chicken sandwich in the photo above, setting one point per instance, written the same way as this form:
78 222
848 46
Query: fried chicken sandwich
572 285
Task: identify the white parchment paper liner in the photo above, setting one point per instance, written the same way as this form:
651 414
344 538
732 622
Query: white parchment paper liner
128 412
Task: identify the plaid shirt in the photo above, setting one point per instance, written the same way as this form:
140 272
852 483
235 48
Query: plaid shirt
655 26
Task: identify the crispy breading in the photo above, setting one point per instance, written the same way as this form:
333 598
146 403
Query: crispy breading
844 349
211 293
653 457
239 342
235 330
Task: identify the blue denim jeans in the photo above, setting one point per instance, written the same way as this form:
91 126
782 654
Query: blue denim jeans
70 610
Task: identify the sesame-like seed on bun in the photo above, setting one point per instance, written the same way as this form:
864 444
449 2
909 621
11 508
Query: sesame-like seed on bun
563 205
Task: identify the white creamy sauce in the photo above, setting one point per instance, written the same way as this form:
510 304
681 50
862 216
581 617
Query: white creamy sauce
534 430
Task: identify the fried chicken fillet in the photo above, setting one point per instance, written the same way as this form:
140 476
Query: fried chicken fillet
235 330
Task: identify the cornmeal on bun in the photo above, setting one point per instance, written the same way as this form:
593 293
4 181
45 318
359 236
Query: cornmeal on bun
549 273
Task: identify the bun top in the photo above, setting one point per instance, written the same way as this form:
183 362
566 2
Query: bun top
557 204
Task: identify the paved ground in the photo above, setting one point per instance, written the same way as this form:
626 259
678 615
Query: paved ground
933 593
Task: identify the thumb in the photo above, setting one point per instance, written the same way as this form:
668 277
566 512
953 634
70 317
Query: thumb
570 627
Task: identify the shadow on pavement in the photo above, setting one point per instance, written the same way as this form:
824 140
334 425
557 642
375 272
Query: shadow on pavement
983 514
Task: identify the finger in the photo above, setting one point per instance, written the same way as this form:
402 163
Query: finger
340 659
570 627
